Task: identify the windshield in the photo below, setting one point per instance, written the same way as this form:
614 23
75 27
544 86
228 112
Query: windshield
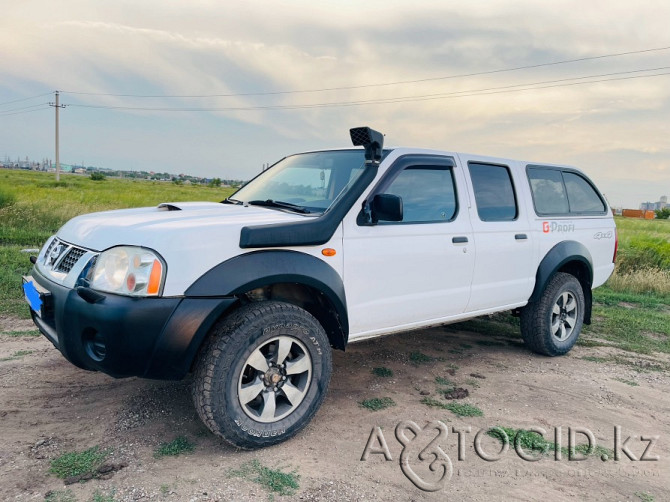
305 183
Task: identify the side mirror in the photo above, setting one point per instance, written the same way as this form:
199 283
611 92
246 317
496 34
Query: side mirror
386 207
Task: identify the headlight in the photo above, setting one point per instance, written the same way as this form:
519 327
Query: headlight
127 270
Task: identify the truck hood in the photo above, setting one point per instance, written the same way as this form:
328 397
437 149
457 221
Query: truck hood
149 226
192 237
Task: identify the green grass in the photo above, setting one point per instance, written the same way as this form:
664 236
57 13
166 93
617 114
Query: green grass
13 264
644 496
444 382
18 334
643 244
595 359
417 358
60 496
643 260
377 403
472 383
7 198
629 321
17 355
273 480
41 205
78 463
529 441
460 409
99 496
533 442
632 383
177 446
382 372
35 207
637 364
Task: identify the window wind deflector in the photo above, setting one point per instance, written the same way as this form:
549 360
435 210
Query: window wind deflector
279 204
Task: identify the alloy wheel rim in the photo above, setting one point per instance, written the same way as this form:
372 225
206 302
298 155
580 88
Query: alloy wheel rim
275 379
564 316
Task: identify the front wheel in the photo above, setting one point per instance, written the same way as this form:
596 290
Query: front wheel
551 325
263 374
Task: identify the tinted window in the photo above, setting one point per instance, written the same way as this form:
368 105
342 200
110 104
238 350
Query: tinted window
548 191
562 192
494 192
428 193
581 195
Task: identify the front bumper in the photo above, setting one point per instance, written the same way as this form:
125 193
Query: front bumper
125 336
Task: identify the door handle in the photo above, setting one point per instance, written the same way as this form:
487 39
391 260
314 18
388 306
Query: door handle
521 237
459 240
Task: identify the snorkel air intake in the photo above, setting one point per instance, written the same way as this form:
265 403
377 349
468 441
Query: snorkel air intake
372 140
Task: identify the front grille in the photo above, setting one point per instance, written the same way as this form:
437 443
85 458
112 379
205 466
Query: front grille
70 259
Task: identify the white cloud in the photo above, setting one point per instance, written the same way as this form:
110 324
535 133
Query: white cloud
207 47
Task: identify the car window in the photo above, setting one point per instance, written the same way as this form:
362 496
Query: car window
428 193
549 194
494 192
312 181
581 195
557 192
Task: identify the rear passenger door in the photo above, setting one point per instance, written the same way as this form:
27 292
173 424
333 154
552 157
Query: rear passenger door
504 272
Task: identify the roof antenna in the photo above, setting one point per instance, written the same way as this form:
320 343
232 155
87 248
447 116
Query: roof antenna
372 140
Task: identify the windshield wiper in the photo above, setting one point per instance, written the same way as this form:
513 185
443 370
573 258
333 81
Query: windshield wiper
231 201
279 204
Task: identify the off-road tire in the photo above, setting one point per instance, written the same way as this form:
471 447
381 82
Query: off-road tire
230 344
537 316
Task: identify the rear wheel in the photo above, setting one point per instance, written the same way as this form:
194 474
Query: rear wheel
551 325
263 374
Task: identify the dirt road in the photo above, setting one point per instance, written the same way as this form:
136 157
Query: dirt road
48 407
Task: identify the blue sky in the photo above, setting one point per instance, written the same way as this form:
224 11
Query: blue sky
616 131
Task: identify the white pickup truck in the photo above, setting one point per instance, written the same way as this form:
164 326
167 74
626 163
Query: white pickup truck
322 249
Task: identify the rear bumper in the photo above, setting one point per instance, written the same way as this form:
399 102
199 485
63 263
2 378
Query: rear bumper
124 336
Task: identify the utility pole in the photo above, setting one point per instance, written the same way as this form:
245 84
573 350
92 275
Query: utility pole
57 106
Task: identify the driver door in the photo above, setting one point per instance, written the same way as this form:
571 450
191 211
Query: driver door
415 271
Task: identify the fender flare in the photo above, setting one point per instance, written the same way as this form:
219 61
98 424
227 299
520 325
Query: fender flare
561 255
266 267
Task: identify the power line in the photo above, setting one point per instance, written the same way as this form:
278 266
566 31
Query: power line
25 99
484 91
402 99
42 106
535 88
384 84
22 108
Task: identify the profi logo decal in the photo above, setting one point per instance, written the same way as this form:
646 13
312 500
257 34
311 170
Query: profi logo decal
554 226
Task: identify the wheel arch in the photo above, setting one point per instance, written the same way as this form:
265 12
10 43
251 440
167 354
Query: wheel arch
571 257
283 275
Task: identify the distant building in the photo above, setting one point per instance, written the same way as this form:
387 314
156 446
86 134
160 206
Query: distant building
654 206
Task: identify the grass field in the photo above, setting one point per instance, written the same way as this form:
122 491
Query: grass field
632 311
33 206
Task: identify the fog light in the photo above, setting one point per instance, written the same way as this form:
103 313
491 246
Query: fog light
94 344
